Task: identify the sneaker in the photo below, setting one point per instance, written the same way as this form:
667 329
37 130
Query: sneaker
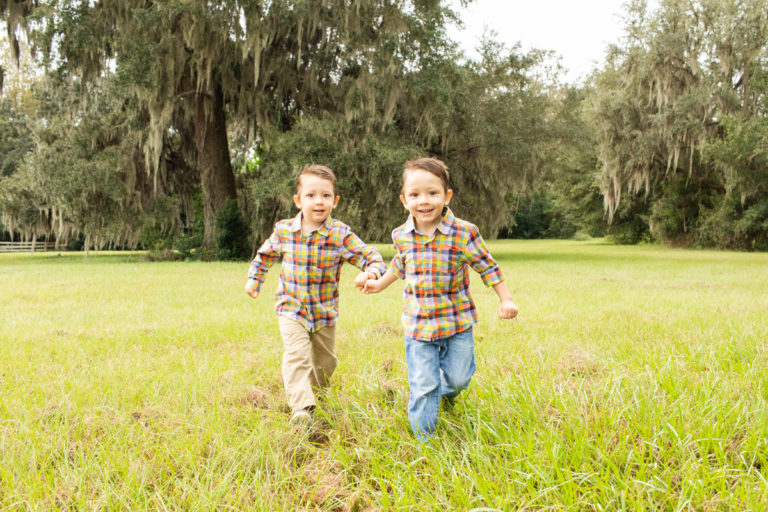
301 417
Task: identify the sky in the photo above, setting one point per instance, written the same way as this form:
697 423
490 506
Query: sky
577 30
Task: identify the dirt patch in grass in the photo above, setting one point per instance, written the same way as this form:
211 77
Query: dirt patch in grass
388 391
296 454
147 415
252 361
252 396
580 363
328 488
383 329
319 437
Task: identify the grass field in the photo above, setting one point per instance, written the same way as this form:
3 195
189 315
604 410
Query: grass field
634 379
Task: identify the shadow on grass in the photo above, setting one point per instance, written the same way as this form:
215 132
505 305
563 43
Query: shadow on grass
61 257
574 257
598 251
571 257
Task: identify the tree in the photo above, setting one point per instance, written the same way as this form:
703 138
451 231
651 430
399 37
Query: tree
359 85
202 62
83 175
488 120
740 218
16 141
665 96
67 184
15 138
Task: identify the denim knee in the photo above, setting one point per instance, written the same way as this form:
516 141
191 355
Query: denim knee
423 363
457 362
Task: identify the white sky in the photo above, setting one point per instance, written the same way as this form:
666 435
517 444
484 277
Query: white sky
577 30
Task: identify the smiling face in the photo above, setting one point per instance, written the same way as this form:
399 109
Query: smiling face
315 198
424 196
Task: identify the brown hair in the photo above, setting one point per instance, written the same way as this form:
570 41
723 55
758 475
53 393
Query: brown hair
320 171
430 165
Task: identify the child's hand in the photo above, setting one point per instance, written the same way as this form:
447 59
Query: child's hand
373 286
252 293
362 278
507 310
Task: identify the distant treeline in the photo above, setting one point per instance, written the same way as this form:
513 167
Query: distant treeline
180 126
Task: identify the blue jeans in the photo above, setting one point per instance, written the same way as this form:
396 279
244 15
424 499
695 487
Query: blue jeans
437 368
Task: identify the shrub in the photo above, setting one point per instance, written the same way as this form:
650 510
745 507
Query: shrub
231 233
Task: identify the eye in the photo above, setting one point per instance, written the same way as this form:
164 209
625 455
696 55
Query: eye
326 196
433 192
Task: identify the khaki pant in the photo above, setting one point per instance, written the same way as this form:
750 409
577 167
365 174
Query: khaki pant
308 361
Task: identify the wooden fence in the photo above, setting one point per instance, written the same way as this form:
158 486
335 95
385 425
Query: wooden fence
26 246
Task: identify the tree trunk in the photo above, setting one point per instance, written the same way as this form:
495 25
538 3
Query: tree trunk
216 177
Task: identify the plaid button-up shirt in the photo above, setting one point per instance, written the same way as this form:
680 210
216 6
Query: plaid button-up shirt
309 279
437 303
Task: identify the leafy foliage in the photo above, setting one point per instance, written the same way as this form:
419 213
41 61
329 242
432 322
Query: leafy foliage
15 138
367 170
231 233
148 105
491 126
678 112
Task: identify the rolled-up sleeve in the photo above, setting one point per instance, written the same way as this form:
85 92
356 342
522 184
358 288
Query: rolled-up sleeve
397 265
362 256
267 255
480 260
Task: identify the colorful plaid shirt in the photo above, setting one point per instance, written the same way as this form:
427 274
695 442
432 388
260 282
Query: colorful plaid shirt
309 280
437 303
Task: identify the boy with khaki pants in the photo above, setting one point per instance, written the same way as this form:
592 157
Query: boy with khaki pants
313 247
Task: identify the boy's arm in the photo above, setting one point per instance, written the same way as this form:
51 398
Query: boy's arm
380 284
267 255
395 271
479 258
507 308
481 261
363 256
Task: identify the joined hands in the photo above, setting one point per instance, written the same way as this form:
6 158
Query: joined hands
362 279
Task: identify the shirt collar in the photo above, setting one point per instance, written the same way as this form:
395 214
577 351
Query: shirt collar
324 229
447 223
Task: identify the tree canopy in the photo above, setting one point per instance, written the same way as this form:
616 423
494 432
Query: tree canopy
670 108
144 122
287 82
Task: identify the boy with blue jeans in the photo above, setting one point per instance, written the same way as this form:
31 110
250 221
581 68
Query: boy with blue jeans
313 247
433 250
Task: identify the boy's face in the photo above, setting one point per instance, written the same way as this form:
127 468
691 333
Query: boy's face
424 197
315 199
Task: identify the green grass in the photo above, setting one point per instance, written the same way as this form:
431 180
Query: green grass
634 379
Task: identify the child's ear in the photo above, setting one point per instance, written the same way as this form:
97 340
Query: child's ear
297 201
402 200
336 201
448 196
